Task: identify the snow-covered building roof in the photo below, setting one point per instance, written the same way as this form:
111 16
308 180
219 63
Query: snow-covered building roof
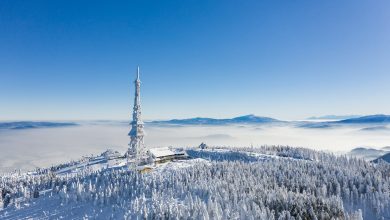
161 152
164 154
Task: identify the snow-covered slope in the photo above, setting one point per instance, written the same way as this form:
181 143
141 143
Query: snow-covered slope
385 158
217 183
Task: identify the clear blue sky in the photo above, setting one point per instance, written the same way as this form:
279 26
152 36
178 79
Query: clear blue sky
285 59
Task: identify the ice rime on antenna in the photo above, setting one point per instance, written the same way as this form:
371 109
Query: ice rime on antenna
137 151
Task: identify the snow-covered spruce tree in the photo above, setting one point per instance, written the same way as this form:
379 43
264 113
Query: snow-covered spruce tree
299 184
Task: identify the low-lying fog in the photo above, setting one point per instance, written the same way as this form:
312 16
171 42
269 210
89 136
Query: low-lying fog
41 147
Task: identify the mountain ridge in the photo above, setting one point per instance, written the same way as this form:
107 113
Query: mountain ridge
378 118
333 117
19 125
249 119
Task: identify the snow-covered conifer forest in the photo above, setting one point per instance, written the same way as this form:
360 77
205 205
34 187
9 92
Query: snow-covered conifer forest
270 182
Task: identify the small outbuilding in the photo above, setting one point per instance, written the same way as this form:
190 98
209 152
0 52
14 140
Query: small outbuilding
203 146
110 154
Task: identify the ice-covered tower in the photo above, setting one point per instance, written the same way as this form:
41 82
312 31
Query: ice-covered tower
136 146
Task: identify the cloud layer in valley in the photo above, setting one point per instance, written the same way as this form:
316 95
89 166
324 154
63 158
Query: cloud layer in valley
29 148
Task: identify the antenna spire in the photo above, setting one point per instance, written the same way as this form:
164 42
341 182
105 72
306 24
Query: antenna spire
137 72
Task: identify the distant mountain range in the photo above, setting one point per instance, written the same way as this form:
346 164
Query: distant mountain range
376 128
315 125
333 117
32 124
371 154
374 122
367 119
253 119
368 153
246 119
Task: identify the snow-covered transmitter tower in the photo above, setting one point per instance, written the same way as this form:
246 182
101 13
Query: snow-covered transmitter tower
137 151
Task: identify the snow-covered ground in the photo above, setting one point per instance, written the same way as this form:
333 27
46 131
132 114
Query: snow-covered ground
214 183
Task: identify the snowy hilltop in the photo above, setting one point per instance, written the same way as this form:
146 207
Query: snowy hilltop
212 183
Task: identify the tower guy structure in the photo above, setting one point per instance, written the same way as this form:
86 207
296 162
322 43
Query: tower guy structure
136 151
